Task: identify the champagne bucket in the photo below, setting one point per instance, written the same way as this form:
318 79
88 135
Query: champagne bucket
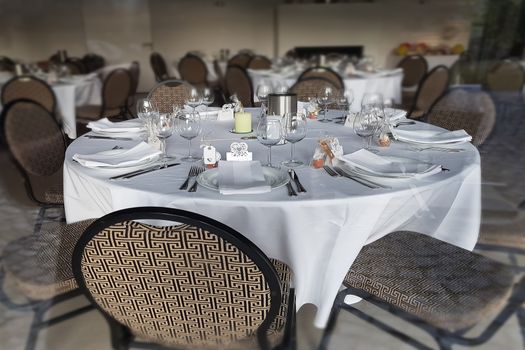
281 104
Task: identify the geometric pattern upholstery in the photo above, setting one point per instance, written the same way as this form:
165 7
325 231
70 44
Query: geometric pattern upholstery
40 265
448 287
474 112
238 83
34 138
179 286
308 88
324 73
432 87
31 88
169 93
54 194
414 69
506 76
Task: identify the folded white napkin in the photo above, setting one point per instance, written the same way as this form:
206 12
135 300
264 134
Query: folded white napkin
118 158
431 136
376 165
394 114
106 126
244 177
203 111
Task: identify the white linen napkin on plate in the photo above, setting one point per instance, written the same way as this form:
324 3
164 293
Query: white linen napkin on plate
104 125
432 136
394 114
244 177
376 165
116 158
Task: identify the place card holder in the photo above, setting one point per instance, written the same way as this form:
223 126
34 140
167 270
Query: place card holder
210 156
239 152
226 113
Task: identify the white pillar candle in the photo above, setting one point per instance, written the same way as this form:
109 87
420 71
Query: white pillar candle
243 122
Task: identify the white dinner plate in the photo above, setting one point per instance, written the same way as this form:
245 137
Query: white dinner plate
275 178
364 172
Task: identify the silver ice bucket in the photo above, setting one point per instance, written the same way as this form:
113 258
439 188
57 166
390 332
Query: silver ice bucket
281 104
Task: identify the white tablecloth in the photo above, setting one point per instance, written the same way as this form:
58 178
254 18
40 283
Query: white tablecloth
320 233
389 86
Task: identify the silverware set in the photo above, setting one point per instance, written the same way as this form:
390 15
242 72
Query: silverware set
143 171
192 174
295 178
100 137
336 171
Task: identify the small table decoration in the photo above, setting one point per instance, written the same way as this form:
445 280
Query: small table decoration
239 152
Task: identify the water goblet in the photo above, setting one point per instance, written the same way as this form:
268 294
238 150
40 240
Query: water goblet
189 127
344 101
194 98
366 124
208 96
263 90
164 127
147 112
294 130
324 98
269 133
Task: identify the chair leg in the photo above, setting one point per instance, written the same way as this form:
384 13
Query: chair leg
332 320
36 324
120 336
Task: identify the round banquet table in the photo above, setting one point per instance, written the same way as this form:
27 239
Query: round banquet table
318 233
388 84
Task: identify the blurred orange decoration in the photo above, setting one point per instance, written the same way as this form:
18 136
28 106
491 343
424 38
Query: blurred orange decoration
423 49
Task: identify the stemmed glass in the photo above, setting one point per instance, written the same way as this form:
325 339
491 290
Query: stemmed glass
294 130
366 124
207 97
325 97
148 113
269 133
194 99
263 90
344 101
164 127
189 127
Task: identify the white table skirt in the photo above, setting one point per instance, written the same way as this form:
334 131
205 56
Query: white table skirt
389 86
320 233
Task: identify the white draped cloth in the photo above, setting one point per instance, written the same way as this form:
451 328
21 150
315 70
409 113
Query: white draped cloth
318 233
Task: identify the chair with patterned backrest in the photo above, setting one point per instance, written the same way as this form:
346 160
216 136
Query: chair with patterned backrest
431 88
29 87
240 59
39 264
160 69
438 287
238 83
115 93
325 73
506 76
474 112
260 62
191 283
193 70
308 88
169 93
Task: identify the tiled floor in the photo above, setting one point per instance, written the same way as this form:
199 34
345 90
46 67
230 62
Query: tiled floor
503 160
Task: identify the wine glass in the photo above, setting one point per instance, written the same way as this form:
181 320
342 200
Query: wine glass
189 127
269 133
263 90
325 97
366 124
194 98
373 103
344 101
164 126
208 97
294 130
147 112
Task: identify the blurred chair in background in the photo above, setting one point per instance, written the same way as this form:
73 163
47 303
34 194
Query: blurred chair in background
414 69
160 69
168 93
238 83
93 62
505 76
311 88
193 70
7 64
430 90
325 73
260 62
29 87
240 59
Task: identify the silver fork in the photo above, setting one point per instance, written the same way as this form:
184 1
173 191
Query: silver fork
193 188
330 171
191 173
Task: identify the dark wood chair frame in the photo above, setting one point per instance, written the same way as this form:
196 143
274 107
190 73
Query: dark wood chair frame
29 77
326 69
156 58
201 61
418 92
235 66
443 337
123 108
411 57
121 337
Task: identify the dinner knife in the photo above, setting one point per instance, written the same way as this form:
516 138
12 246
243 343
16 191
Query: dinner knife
295 178
142 171
109 137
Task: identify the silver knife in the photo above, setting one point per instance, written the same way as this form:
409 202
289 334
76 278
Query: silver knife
295 178
109 137
142 171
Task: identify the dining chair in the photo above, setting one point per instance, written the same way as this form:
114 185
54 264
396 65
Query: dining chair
115 93
238 83
134 70
7 64
29 87
474 112
158 64
308 88
242 59
442 289
505 76
75 65
260 62
193 70
192 283
93 62
431 88
325 73
168 93
414 69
